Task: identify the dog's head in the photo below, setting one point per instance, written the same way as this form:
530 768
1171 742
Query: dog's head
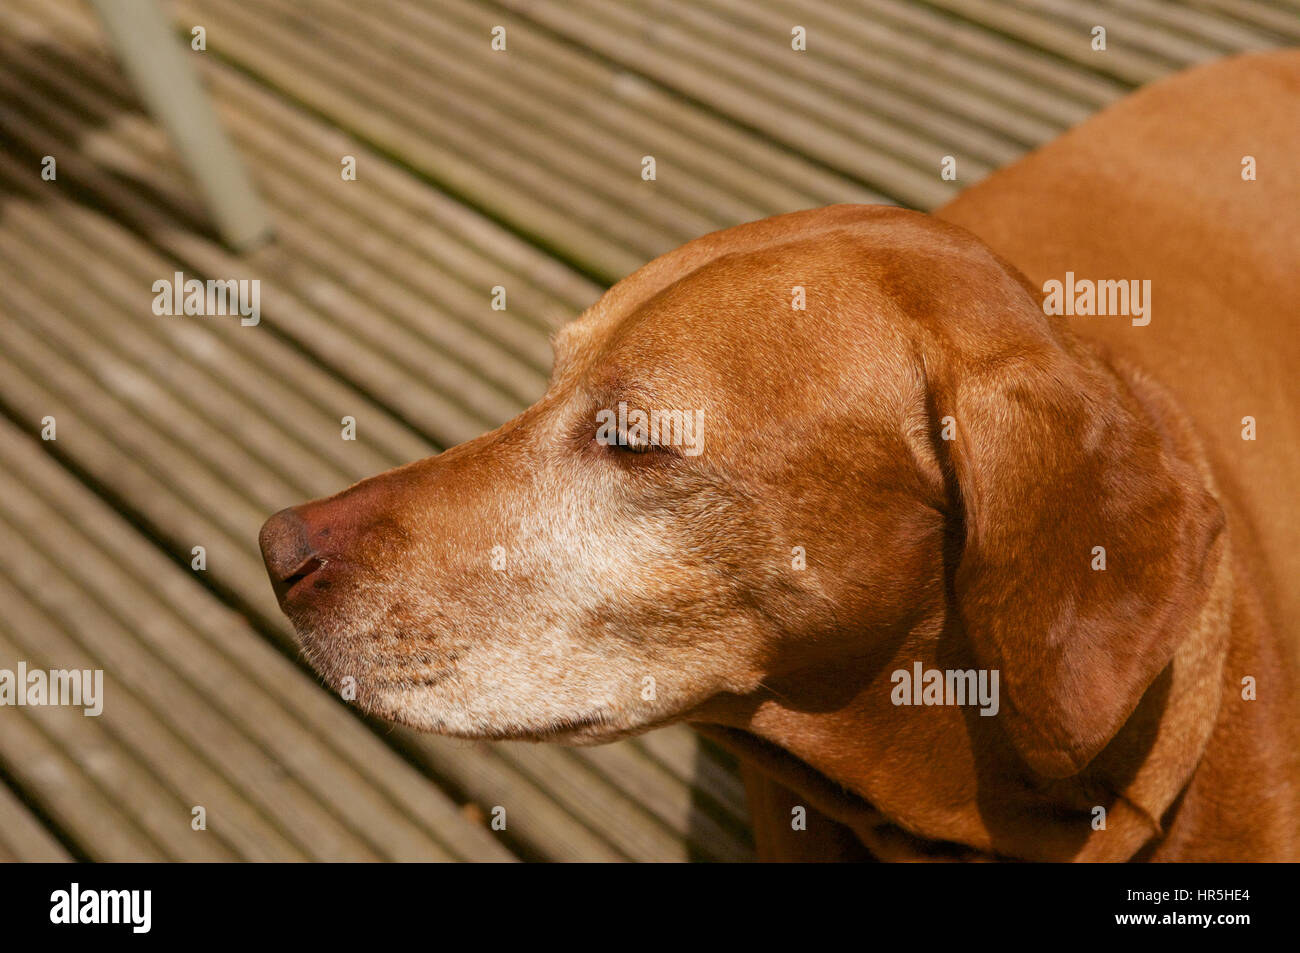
805 445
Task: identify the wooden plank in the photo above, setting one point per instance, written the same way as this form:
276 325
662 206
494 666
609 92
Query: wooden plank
88 815
1263 16
232 818
487 91
966 49
1128 32
606 240
542 824
619 106
313 797
407 387
1070 42
849 88
443 352
213 654
1224 34
460 251
110 766
23 839
618 33
604 206
535 282
1145 38
678 807
943 83
711 771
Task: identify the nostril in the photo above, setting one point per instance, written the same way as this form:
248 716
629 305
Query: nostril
306 569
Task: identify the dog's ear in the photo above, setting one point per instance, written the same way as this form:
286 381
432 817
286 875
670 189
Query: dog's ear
1086 538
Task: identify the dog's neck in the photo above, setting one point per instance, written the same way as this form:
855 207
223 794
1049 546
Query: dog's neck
944 782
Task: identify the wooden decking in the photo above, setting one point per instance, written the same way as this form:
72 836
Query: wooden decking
475 169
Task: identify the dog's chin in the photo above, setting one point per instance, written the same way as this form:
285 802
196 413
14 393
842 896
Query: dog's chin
422 710
436 703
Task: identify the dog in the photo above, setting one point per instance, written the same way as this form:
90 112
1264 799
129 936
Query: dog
784 474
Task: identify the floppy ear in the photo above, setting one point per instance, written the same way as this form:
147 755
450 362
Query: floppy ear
1054 455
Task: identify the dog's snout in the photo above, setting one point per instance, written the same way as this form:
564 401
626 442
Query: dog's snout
287 549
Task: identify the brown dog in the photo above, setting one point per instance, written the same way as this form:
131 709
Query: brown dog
917 470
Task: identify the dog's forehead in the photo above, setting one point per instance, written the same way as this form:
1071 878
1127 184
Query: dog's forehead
774 312
826 253
743 313
742 339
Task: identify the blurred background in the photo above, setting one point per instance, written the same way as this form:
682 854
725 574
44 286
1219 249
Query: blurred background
520 167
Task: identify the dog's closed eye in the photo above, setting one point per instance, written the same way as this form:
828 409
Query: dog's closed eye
621 432
633 451
633 444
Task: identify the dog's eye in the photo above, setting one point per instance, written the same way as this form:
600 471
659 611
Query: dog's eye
619 445
620 441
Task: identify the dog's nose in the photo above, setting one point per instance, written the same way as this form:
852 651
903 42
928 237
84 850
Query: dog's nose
287 550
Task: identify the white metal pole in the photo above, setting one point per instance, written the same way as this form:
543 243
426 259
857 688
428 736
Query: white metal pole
157 63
